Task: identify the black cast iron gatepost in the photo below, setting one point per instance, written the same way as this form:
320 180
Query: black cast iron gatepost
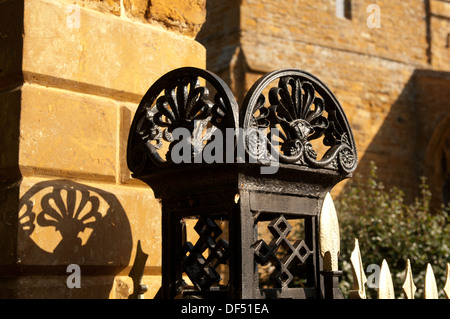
237 174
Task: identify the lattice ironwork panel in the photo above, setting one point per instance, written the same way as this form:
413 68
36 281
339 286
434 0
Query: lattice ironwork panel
200 261
285 257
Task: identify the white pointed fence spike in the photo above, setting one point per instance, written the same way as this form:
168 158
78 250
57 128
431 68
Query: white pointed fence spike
431 291
408 286
359 277
329 234
447 283
386 287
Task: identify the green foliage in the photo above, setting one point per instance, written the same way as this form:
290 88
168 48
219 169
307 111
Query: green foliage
388 228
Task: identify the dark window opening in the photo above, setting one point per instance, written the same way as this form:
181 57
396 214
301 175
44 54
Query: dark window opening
446 191
344 9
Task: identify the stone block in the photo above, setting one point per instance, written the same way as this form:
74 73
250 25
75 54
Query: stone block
67 134
440 42
71 76
108 6
61 222
127 111
55 287
58 222
185 17
91 287
315 22
440 7
123 287
94 225
100 54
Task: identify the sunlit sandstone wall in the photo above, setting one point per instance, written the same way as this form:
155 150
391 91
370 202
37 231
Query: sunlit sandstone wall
370 70
71 76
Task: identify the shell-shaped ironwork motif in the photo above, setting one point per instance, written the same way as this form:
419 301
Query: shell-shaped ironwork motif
300 109
178 100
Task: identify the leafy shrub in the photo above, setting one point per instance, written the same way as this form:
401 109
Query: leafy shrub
388 228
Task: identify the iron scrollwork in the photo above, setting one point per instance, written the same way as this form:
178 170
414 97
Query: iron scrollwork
178 100
301 109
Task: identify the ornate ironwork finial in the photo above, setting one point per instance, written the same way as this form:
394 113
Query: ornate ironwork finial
195 101
408 286
431 291
386 287
359 277
299 109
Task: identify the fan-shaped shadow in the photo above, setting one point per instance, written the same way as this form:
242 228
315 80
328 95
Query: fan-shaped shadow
62 222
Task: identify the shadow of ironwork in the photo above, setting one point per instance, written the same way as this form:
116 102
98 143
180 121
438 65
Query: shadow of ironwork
63 222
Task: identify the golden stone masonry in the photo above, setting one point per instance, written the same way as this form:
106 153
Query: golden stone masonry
71 76
73 72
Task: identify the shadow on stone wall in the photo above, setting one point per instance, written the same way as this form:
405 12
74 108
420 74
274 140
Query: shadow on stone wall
410 142
62 222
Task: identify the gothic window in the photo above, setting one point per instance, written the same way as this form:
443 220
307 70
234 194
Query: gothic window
438 161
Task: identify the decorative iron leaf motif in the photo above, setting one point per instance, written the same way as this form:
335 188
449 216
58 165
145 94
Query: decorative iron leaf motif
200 270
297 253
178 101
301 109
